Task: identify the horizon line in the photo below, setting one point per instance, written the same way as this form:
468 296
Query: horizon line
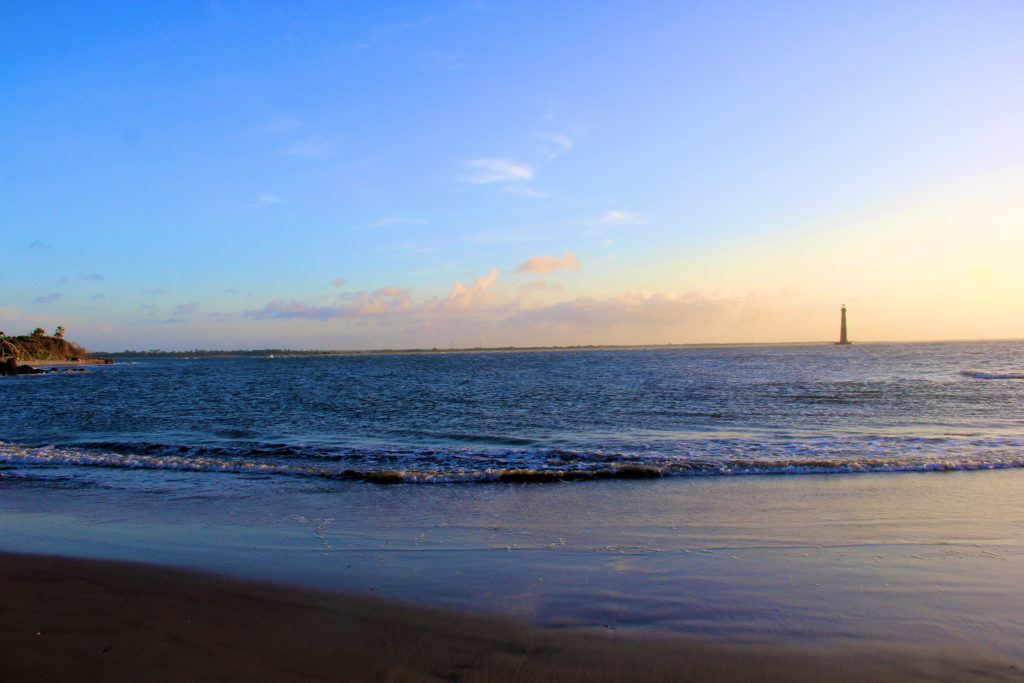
469 349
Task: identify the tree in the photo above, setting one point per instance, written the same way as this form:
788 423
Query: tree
39 332
59 332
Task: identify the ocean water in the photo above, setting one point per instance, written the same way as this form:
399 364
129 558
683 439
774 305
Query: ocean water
806 493
525 417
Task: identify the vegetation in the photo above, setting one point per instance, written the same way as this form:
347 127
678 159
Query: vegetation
38 346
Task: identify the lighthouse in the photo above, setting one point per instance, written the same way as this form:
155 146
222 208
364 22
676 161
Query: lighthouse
842 328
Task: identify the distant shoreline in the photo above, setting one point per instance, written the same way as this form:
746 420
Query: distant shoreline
475 349
297 353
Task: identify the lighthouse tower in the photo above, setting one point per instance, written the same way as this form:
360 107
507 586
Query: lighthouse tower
842 328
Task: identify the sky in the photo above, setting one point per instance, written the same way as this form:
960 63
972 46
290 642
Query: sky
356 175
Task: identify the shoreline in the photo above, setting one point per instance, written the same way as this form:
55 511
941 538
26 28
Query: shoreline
66 363
307 353
68 618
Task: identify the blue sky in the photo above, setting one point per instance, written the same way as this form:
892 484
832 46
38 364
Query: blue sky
405 174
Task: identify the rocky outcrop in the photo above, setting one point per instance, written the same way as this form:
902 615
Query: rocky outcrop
10 367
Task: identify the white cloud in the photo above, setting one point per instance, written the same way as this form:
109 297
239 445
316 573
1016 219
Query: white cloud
622 218
548 264
268 199
482 171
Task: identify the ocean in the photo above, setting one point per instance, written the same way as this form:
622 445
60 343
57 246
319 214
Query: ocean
524 417
808 492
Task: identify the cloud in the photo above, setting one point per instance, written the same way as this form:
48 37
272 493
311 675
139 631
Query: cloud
363 305
482 171
390 301
310 148
99 296
337 282
610 219
156 292
540 285
268 199
39 245
622 217
477 296
556 144
46 299
548 264
646 311
392 291
95 277
185 309
391 220
526 191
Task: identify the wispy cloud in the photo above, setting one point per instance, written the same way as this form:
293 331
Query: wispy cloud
621 218
482 171
549 264
396 220
310 148
268 199
337 282
556 144
512 175
49 299
95 277
39 245
156 292
185 309
526 191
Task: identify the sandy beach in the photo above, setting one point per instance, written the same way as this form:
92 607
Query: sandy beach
70 619
822 590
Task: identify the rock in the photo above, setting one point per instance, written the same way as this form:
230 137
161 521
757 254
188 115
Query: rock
10 367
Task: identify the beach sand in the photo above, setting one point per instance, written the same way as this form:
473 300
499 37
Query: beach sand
896 577
76 620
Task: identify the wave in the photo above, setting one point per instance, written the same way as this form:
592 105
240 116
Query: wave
457 467
992 375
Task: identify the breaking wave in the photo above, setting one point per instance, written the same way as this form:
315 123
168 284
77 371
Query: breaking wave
426 466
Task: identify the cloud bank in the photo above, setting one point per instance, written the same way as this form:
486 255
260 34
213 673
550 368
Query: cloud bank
549 264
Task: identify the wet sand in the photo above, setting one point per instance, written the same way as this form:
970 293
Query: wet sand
71 619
